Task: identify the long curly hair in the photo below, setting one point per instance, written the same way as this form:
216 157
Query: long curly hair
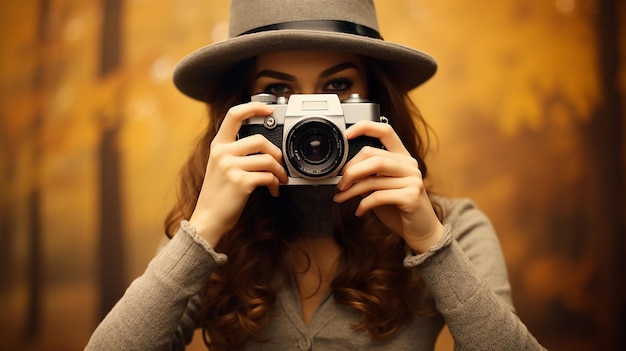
240 294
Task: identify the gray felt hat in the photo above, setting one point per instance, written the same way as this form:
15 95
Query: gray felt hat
262 26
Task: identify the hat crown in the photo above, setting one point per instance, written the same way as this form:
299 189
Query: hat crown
261 26
248 15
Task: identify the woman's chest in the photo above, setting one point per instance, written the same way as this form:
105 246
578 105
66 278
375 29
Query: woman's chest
331 327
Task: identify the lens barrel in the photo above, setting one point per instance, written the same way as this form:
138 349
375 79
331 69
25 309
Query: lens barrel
315 147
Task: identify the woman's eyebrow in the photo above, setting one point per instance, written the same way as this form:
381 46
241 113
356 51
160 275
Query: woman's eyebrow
276 74
337 68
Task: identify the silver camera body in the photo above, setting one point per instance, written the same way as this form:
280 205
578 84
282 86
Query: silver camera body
309 129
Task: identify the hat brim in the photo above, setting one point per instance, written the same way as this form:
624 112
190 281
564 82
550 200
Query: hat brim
193 74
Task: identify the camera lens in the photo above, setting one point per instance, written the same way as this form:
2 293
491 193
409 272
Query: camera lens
315 147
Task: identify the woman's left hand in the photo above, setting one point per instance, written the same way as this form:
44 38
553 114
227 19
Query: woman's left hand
390 183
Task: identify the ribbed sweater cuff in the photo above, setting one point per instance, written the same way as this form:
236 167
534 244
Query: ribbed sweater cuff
190 230
413 259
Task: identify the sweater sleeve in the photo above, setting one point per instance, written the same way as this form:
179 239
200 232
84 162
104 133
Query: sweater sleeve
469 283
154 313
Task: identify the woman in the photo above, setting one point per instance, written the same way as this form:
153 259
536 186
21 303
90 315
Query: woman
371 262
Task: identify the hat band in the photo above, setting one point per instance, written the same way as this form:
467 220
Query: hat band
323 25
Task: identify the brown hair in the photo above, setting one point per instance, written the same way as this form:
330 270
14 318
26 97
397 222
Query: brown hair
240 294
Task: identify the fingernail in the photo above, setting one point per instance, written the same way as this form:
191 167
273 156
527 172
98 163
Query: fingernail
340 184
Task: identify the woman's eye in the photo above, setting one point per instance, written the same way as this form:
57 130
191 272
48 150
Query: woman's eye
338 85
277 89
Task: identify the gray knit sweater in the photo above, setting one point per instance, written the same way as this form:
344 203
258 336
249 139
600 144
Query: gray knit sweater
465 273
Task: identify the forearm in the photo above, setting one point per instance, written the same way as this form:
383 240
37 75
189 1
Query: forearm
478 318
149 313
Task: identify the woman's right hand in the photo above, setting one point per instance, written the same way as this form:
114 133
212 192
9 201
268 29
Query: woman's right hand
235 168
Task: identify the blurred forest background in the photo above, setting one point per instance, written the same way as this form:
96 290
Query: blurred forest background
528 108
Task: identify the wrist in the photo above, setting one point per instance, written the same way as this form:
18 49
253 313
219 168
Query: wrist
190 230
203 229
422 245
414 259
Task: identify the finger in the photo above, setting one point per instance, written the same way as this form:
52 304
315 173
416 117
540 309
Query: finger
262 163
381 131
236 115
382 198
255 144
274 187
387 165
248 181
370 184
266 179
369 151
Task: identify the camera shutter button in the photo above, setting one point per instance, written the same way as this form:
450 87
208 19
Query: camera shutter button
269 122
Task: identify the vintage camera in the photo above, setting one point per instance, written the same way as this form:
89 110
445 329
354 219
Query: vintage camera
309 129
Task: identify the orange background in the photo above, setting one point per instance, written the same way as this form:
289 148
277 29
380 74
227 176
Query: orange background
527 106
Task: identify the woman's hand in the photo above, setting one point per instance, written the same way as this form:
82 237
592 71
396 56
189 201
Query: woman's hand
235 168
390 183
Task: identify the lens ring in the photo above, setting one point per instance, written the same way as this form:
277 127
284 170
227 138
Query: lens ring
315 147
